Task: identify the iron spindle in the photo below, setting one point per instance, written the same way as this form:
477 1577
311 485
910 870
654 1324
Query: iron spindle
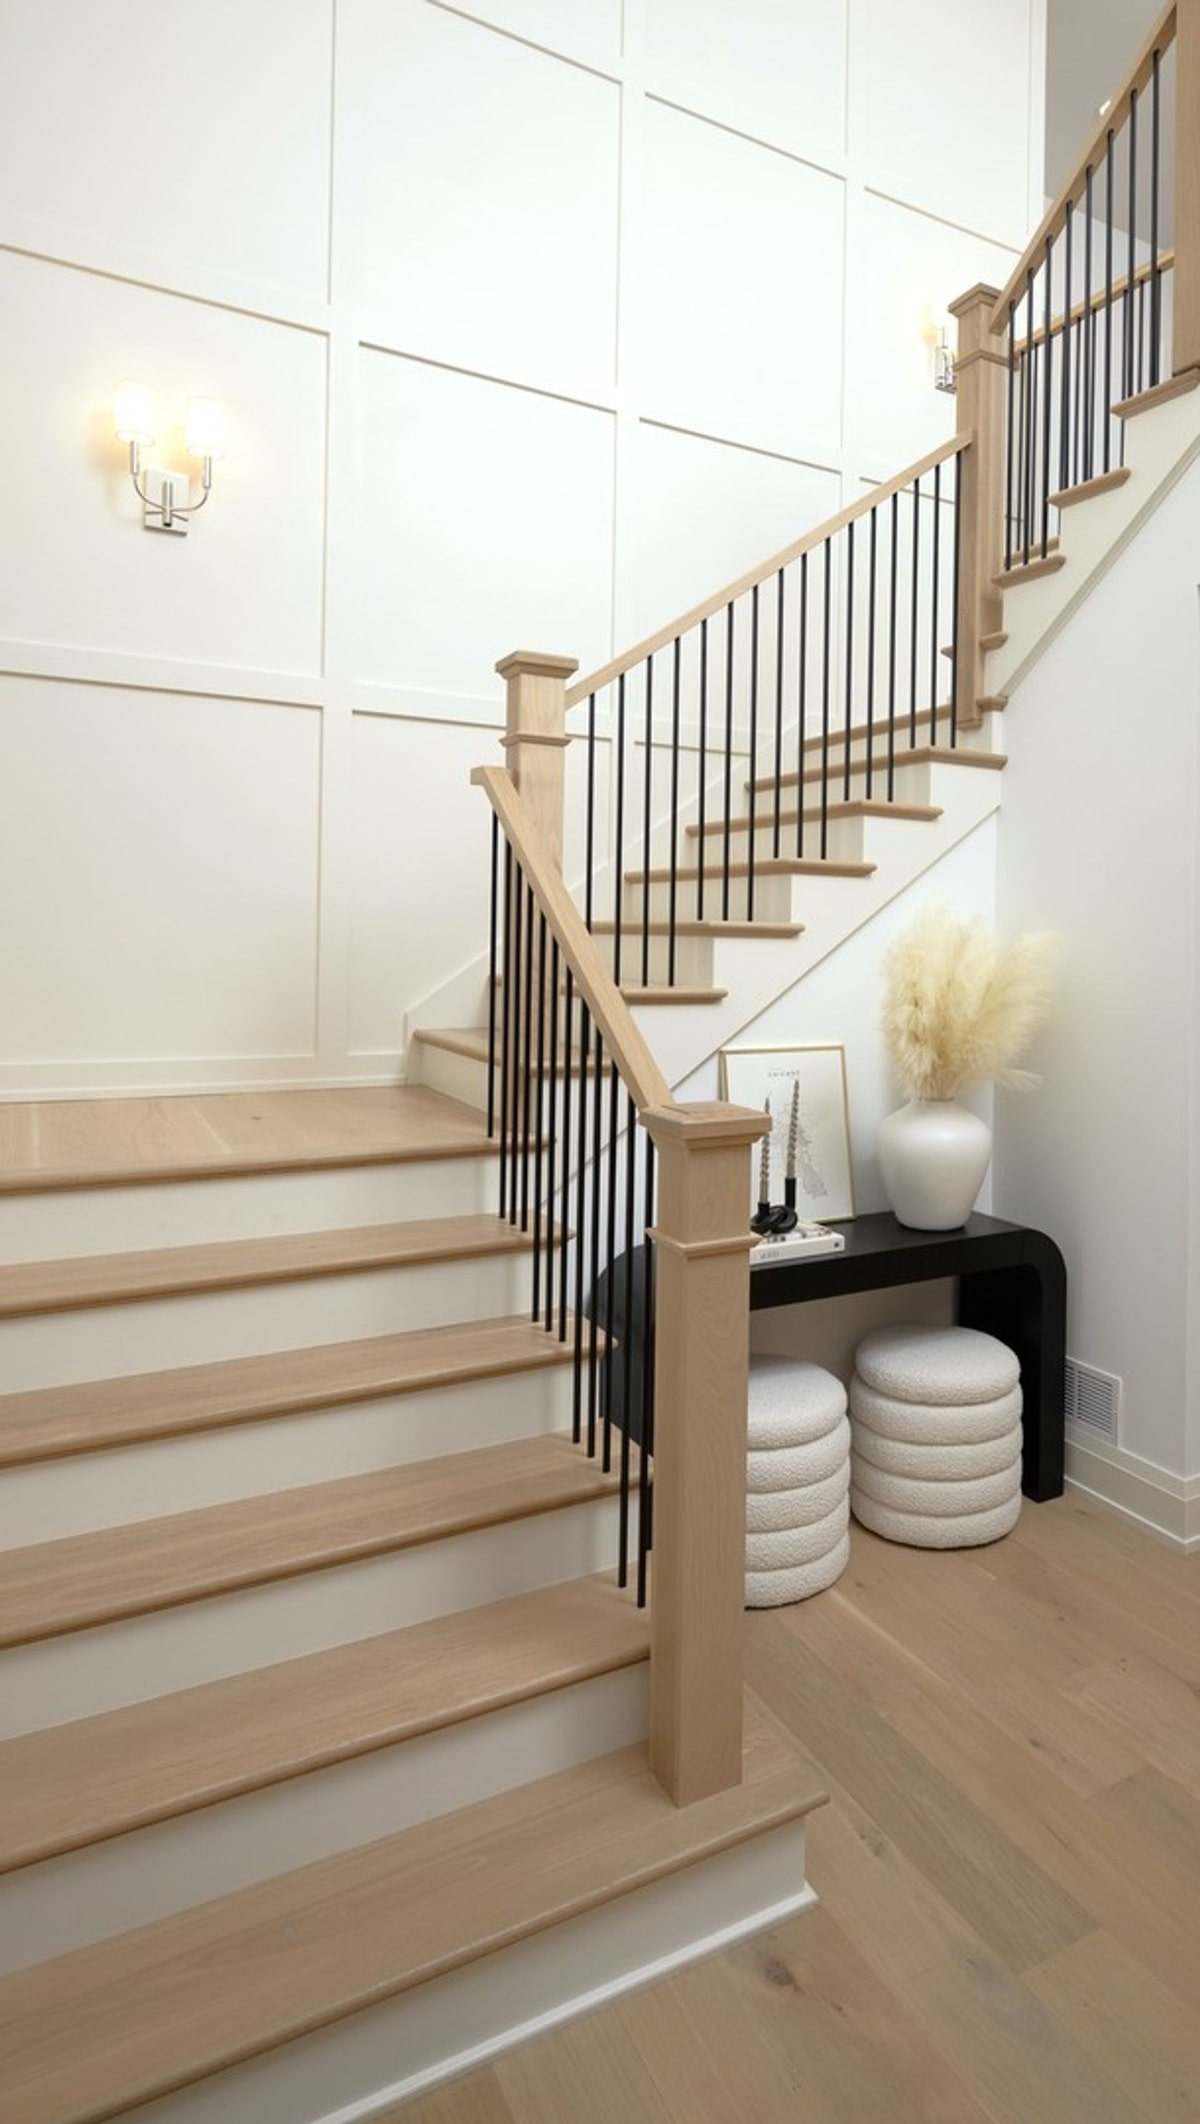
960 683
565 1212
779 637
619 833
872 556
506 1008
891 721
753 750
627 1340
914 614
673 884
581 1207
849 700
1127 373
1064 415
589 869
492 998
801 714
1010 442
610 1258
729 610
1047 401
1029 373
1108 296
597 1064
552 1130
701 792
647 817
826 644
646 1443
1089 334
935 647
518 922
527 1058
1155 270
538 1114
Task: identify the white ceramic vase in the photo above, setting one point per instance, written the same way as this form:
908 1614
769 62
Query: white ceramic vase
933 1154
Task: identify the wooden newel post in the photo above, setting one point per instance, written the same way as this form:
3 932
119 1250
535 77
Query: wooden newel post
535 736
980 369
702 1341
1185 350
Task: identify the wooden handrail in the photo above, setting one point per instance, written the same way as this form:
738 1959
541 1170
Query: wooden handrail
762 574
1096 301
610 1012
1114 118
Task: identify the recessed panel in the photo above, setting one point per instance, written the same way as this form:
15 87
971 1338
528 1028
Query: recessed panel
478 195
740 326
197 132
777 73
908 270
940 108
484 525
76 567
707 513
158 861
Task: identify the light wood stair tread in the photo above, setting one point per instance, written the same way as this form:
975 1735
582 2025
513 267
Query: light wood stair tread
472 1041
916 755
1087 489
101 1413
87 1579
878 726
765 867
227 1264
65 1143
99 1777
1157 395
842 808
715 927
657 992
1029 571
100 2030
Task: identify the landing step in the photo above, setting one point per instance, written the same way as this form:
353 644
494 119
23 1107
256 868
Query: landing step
1103 483
32 1287
1029 571
471 1041
51 1422
86 1579
853 808
103 2029
911 756
766 867
79 1784
69 1143
1145 401
714 928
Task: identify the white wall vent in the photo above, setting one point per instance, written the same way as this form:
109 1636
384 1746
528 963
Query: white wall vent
1093 1398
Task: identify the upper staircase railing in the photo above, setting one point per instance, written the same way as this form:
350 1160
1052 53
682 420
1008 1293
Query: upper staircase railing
598 1159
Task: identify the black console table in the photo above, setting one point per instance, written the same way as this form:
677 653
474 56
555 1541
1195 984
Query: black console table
1012 1283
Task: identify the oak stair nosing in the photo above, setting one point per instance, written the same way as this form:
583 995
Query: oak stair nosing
916 755
173 1755
1029 571
878 726
853 808
81 1581
49 1423
765 867
1086 489
154 2009
88 1280
714 927
1158 394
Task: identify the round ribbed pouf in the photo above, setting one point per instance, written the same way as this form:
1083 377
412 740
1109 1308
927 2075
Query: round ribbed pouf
936 1418
797 1481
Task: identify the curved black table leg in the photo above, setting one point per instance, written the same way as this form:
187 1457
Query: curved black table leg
1025 1305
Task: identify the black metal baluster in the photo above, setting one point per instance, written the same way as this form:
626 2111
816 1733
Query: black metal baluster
627 1339
1108 296
1030 375
849 690
552 1131
673 885
801 716
527 1059
619 833
589 879
506 1014
539 1128
891 723
518 992
728 762
935 647
1089 354
1155 271
779 640
1010 441
646 1443
493 999
968 678
1140 338
701 797
647 820
597 1065
826 643
914 615
753 750
581 1210
1047 402
610 1259
565 1213
1127 376
872 556
1064 412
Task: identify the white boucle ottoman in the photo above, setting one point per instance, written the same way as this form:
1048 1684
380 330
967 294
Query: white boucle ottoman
936 1420
797 1481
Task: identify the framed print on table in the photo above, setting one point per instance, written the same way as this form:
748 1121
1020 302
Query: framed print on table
752 1076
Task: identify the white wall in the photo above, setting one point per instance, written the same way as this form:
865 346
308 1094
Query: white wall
533 321
1105 1155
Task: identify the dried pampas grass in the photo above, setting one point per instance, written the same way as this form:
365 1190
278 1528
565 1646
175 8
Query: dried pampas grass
960 1010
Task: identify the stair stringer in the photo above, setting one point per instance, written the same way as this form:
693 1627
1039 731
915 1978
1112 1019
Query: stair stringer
1160 444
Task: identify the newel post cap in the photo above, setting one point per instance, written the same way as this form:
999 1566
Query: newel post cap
538 663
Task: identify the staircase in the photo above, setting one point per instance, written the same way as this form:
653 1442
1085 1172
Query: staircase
323 1719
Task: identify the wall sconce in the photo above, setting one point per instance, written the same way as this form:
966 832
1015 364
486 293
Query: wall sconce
166 496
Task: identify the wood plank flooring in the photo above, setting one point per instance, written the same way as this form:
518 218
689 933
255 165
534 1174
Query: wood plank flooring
1009 1868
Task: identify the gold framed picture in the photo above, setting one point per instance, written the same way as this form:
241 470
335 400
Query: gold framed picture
810 1124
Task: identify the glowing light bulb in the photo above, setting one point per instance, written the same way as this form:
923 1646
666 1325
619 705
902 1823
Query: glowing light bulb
133 414
205 429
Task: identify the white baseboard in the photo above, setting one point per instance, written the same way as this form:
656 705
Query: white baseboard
1164 1503
362 2068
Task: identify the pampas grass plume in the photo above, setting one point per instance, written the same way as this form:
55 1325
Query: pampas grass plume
958 1008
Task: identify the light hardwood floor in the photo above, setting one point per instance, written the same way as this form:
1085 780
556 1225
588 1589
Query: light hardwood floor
1009 1868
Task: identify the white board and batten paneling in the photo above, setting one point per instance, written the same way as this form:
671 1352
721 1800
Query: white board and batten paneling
532 323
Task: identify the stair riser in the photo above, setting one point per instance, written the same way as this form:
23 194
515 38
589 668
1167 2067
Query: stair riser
693 958
358 2069
88 1895
110 1341
471 1079
772 898
85 1491
88 1671
110 1220
843 843
984 737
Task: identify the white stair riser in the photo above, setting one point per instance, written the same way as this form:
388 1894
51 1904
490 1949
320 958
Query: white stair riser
85 1491
693 958
359 2069
772 898
111 1220
458 1076
150 1335
88 1671
843 843
983 736
84 1896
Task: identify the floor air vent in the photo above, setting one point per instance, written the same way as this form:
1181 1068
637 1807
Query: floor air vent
1093 1398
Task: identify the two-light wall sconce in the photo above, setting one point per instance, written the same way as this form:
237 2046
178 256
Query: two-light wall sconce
166 497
